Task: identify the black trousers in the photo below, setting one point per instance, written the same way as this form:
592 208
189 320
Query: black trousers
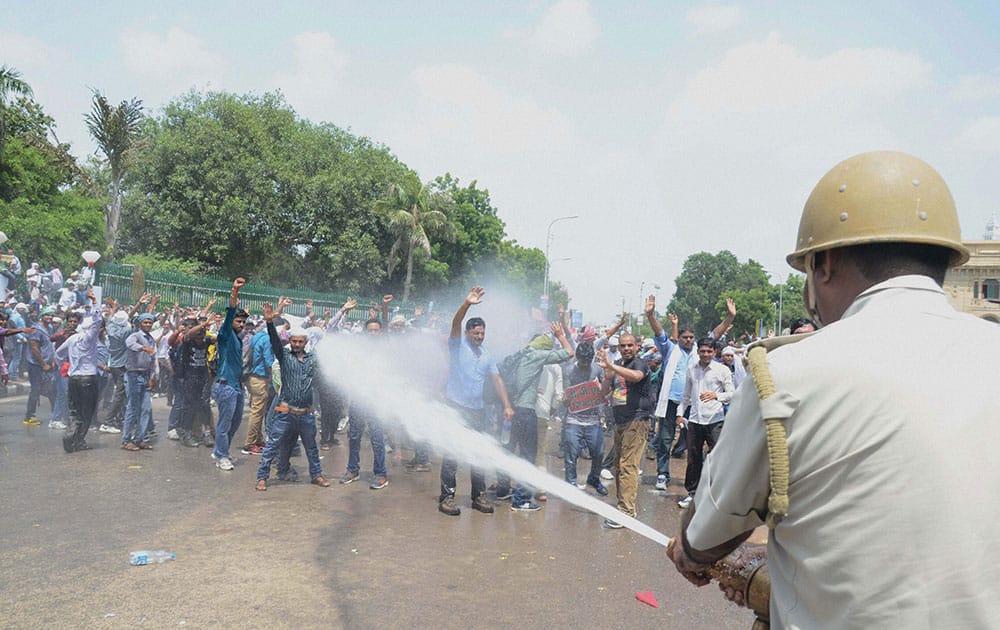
474 419
82 395
114 414
698 436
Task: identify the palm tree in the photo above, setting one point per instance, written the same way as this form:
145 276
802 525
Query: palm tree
116 131
414 213
11 83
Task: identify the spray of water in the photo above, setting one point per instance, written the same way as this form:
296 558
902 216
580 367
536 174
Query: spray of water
397 379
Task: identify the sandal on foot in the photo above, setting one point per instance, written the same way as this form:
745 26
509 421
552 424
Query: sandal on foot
291 475
319 481
130 446
261 485
143 446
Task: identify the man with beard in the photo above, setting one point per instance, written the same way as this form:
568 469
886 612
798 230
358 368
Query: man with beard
41 363
80 349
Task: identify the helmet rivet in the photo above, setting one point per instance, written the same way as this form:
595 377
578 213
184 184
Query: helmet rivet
916 182
843 216
842 188
923 216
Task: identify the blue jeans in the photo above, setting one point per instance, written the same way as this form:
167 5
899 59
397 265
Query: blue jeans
575 437
136 403
15 358
229 401
356 429
286 428
60 410
524 441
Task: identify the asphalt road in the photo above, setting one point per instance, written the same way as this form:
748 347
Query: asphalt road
298 556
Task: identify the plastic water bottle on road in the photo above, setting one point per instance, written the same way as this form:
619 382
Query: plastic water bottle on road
140 558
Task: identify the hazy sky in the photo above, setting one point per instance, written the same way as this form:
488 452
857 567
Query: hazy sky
667 127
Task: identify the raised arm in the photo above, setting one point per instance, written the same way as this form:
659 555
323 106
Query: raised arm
651 316
611 332
726 323
385 309
560 335
334 322
475 296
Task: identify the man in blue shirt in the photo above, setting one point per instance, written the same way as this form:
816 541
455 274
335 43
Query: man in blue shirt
261 391
41 363
469 367
228 389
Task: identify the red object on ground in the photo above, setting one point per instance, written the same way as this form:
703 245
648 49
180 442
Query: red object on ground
647 597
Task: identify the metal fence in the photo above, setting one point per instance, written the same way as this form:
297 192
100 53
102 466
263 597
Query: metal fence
127 283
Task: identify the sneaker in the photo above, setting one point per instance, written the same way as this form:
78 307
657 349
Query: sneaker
581 486
482 504
601 489
447 506
31 422
107 428
59 425
504 495
527 506
388 448
661 482
253 449
341 425
190 440
607 474
612 524
350 477
208 440
378 483
685 502
224 463
172 434
413 467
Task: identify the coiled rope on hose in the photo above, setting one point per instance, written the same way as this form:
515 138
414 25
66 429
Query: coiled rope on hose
777 440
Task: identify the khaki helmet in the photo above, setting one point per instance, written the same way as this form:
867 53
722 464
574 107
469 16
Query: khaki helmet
879 197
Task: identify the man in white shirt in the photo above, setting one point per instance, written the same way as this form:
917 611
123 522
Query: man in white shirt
873 524
708 388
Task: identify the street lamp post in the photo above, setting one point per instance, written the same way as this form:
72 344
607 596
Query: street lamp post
548 241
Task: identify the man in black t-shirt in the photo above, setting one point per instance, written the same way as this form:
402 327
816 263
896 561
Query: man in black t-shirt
627 380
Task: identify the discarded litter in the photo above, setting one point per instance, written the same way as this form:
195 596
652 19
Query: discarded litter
647 597
141 558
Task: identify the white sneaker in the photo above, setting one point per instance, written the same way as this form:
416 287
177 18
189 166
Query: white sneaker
606 475
685 502
661 482
172 434
342 425
224 463
581 486
57 424
107 428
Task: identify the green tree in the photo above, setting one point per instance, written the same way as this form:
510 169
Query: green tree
242 185
116 129
704 279
414 212
11 84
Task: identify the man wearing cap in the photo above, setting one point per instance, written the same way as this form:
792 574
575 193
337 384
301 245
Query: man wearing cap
582 426
139 367
293 415
19 341
523 392
118 329
874 525
41 363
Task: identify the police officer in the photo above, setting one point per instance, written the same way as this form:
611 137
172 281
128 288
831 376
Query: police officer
879 527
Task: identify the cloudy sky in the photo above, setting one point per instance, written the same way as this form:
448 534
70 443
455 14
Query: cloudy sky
668 128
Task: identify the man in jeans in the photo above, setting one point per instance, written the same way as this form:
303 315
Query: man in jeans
583 417
523 391
709 387
293 415
139 367
41 363
228 389
627 380
119 327
469 367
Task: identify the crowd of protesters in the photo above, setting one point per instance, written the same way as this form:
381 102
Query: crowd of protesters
603 394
